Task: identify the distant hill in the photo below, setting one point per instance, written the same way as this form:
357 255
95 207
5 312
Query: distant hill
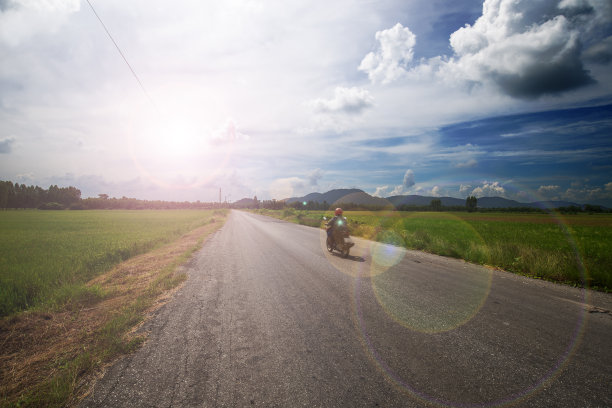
243 203
356 196
363 198
330 197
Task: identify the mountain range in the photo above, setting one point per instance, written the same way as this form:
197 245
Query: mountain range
360 197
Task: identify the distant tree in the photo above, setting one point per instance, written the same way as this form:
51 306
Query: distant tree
6 190
436 204
593 208
103 196
51 206
471 203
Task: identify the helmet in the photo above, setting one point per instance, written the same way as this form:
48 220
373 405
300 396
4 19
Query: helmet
338 211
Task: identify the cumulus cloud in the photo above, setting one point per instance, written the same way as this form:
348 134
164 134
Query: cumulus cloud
286 187
388 191
527 49
346 100
20 20
465 189
395 51
314 177
228 133
549 191
586 194
6 145
489 190
381 191
608 187
408 179
436 191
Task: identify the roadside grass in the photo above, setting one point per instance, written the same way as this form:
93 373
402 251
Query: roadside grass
49 356
575 249
47 256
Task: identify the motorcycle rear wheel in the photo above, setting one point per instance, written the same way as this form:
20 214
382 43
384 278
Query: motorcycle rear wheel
345 252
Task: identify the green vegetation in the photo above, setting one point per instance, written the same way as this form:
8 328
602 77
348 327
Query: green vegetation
47 256
545 246
109 341
62 198
53 350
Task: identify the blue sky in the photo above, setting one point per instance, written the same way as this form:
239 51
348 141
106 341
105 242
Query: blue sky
279 99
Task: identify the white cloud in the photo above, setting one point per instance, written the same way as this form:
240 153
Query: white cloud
436 191
588 193
314 177
408 179
381 191
6 144
395 51
548 189
489 190
527 49
21 20
468 164
346 100
287 187
464 189
227 133
549 192
387 191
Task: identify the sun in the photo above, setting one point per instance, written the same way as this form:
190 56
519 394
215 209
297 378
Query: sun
174 138
177 138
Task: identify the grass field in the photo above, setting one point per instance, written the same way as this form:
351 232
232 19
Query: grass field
47 256
574 249
75 325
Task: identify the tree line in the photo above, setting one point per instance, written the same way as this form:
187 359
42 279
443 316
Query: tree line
15 195
20 196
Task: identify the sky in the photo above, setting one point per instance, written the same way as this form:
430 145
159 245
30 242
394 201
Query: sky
175 100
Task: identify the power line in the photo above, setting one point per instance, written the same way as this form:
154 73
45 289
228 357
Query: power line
123 56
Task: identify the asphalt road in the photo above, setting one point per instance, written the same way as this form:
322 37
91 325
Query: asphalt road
269 318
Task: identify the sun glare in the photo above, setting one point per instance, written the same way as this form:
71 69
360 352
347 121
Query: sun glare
175 138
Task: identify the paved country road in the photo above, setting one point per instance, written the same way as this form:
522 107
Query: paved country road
269 318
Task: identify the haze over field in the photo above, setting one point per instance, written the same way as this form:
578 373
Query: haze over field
280 99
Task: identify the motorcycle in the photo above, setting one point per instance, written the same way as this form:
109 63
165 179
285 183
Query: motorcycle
339 238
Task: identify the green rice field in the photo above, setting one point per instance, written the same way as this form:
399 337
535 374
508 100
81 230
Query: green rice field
574 249
46 256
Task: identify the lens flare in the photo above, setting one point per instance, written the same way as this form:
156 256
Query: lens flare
427 308
386 255
387 264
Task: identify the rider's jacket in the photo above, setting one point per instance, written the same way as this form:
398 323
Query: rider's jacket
336 221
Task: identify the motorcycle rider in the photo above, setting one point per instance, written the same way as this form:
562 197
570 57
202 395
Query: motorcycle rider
334 222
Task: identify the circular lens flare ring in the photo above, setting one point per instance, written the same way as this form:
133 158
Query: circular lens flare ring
555 370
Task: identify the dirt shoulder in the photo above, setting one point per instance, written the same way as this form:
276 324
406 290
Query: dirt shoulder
50 358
